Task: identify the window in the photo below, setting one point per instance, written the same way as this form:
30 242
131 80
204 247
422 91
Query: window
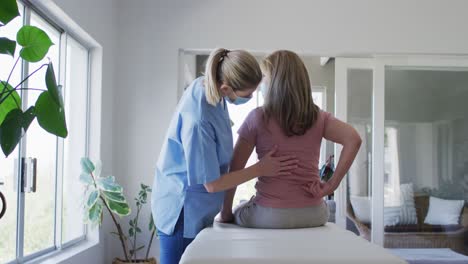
50 217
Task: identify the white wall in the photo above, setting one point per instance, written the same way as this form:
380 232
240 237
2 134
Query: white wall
97 18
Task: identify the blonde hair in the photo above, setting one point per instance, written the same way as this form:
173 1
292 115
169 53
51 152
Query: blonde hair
237 68
289 97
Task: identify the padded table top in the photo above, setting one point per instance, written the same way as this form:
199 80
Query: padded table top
225 243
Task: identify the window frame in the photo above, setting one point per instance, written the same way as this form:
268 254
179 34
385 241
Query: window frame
67 29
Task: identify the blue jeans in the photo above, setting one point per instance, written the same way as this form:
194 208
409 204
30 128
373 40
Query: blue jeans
171 247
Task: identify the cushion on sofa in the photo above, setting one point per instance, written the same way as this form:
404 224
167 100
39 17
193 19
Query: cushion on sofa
444 212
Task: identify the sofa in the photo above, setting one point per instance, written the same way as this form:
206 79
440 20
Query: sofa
419 235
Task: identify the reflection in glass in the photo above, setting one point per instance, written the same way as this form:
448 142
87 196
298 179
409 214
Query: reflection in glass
360 174
426 159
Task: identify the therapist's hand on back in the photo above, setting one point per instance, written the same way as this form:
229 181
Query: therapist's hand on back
270 165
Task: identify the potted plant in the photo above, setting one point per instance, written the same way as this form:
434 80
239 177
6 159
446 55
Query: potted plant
48 109
105 192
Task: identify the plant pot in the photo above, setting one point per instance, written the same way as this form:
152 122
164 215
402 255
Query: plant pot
149 261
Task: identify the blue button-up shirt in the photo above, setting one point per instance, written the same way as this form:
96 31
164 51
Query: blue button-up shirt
196 150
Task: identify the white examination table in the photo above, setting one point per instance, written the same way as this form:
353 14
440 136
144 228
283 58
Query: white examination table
329 244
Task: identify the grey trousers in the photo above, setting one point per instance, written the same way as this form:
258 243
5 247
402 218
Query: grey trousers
250 214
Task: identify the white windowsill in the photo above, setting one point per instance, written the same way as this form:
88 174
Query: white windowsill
60 255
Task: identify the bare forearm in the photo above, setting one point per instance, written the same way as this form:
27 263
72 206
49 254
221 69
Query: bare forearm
228 199
232 179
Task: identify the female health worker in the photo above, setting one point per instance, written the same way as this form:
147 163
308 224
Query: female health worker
193 167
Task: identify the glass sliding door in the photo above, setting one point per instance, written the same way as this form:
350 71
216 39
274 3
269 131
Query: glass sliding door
426 156
414 117
354 105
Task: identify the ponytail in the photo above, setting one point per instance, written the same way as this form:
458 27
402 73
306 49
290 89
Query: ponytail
213 74
237 68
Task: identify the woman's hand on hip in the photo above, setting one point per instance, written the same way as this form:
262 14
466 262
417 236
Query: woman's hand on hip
329 187
270 165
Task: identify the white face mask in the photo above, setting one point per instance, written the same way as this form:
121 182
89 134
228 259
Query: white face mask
239 99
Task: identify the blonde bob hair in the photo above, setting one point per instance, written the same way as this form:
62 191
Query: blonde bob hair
288 97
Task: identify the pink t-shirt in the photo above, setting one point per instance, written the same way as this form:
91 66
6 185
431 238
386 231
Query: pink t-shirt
303 187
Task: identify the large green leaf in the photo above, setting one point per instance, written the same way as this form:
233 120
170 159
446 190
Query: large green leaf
93 196
28 117
121 209
7 46
8 11
50 115
51 84
108 184
35 43
114 196
11 102
94 213
14 126
10 131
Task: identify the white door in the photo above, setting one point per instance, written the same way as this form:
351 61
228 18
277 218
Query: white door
358 103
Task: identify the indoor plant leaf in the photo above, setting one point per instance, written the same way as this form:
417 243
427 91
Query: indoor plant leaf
114 196
97 169
10 103
11 130
87 165
28 117
86 178
94 213
108 184
50 115
93 196
35 43
7 46
52 87
8 11
121 209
